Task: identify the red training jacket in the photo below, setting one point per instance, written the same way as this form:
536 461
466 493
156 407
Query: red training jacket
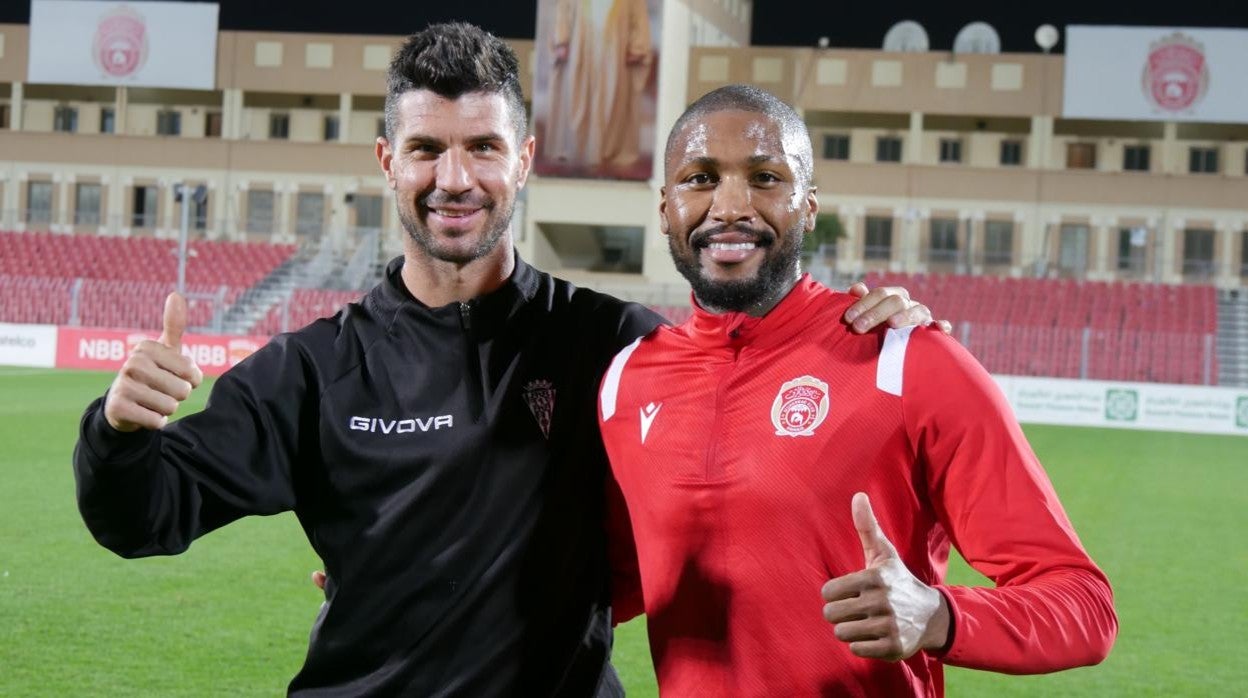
738 442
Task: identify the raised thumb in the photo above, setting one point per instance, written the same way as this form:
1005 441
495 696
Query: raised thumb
174 321
876 548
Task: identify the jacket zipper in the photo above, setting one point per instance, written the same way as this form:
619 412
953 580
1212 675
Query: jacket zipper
476 389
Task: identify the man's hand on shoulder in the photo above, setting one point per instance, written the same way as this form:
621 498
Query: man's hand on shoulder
888 304
884 611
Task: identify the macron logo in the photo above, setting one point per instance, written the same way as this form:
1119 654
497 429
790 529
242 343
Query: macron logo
648 413
401 426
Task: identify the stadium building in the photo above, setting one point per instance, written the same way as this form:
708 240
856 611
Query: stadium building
1086 242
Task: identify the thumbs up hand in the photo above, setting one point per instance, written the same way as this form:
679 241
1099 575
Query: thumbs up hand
156 377
884 611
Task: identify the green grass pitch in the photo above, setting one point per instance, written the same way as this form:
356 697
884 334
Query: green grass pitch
1165 514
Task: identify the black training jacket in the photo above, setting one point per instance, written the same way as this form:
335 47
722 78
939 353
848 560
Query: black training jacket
444 462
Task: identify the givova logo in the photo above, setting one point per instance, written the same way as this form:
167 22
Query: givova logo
1241 412
1122 405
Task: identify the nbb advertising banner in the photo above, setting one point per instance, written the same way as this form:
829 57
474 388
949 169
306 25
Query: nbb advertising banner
1151 406
106 350
1156 74
136 44
28 345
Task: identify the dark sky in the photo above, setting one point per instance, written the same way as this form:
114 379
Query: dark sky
859 24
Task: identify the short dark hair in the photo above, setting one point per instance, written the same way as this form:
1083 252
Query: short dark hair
453 59
752 99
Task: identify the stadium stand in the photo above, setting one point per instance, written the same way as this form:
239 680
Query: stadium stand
304 306
1076 329
121 282
33 299
1015 326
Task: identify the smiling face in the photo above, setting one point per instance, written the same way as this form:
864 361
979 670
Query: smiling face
734 208
455 166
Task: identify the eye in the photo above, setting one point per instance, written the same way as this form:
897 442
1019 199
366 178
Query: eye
485 147
767 178
699 178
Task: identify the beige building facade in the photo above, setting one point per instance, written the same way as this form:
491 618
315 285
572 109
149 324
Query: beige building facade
932 162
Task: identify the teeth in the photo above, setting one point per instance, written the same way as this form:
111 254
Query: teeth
732 246
452 214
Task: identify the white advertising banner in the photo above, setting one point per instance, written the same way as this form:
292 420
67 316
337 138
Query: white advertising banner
135 44
28 345
1151 406
1156 74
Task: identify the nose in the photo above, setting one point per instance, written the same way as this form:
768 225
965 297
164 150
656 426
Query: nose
731 202
454 172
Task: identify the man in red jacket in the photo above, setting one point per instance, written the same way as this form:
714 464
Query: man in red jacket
794 487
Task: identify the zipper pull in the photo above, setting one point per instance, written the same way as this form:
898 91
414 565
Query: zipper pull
465 315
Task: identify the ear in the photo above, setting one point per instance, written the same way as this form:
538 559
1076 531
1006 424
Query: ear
812 208
526 161
663 225
385 158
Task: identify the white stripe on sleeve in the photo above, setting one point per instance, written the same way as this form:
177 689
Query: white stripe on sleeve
611 382
888 372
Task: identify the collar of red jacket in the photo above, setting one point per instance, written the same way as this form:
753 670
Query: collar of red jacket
735 329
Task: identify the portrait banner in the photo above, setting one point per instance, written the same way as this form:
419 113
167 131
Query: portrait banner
595 87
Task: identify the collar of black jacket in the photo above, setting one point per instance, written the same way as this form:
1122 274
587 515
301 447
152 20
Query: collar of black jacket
478 314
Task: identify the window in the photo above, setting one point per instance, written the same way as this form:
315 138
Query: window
943 245
168 123
310 214
331 127
878 243
39 203
1198 252
836 147
108 120
199 213
367 212
65 119
1135 158
1011 152
1072 253
260 211
279 126
1202 160
950 150
1243 254
1081 156
144 212
888 149
998 242
212 124
1131 245
87 204
603 248
4 116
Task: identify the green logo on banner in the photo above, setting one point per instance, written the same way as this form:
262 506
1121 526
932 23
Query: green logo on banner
1122 405
1241 412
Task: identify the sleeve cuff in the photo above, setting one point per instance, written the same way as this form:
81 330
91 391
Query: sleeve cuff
942 651
107 445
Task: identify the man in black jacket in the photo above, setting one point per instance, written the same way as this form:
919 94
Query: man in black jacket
437 440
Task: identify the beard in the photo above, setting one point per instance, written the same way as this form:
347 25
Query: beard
775 275
497 222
